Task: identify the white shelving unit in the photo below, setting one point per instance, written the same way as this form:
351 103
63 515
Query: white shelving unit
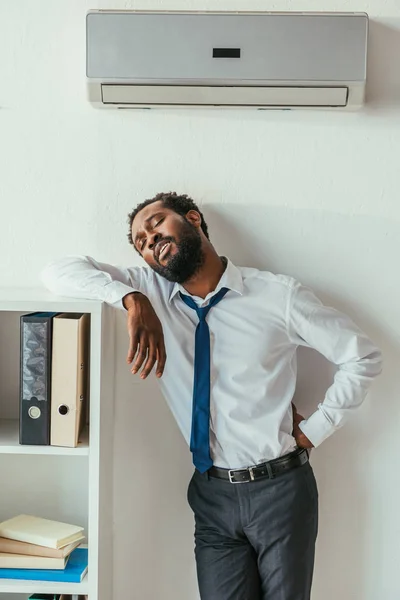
68 484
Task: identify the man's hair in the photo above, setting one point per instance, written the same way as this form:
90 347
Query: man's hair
180 204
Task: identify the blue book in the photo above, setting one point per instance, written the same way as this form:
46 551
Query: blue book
74 572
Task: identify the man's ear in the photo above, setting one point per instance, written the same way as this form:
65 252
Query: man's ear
194 218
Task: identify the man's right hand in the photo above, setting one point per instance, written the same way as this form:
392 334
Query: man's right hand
145 335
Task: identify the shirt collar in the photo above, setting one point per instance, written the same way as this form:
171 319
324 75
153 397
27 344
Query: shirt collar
231 279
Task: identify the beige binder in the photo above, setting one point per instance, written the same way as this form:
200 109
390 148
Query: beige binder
69 378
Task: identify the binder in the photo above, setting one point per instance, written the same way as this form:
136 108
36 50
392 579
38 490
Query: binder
35 374
69 378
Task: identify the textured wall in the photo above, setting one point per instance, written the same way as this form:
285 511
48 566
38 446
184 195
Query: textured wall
314 195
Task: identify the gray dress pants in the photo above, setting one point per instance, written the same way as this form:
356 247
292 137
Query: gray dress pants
256 540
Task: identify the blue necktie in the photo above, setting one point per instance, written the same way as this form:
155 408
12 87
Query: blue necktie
200 436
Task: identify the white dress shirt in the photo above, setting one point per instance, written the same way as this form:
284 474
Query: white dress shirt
255 331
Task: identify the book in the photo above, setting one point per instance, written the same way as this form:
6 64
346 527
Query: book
58 597
20 561
14 547
43 532
74 572
45 597
69 378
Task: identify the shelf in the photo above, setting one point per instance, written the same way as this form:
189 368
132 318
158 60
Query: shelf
9 443
30 300
68 490
20 586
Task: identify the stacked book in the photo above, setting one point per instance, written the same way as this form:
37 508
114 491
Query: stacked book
58 597
39 549
54 378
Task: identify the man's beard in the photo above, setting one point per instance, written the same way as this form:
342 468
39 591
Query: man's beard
188 258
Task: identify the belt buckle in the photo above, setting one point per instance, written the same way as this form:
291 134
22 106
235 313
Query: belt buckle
249 470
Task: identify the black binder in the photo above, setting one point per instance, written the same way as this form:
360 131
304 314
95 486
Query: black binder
35 378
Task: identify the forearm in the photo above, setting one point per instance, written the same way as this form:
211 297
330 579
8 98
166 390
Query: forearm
131 300
348 391
340 340
83 277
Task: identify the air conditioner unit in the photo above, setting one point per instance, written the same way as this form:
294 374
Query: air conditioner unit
198 59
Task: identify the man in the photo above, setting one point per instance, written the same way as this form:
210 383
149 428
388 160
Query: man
231 336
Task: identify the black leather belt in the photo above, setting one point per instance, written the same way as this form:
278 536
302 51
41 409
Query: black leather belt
269 469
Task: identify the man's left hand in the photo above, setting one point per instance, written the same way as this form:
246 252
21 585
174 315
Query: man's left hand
301 439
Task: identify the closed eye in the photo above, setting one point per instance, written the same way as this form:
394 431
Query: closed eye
142 245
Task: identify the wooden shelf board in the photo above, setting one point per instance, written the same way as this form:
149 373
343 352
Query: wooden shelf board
39 299
9 443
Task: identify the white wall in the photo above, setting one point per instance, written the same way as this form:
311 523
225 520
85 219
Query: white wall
314 195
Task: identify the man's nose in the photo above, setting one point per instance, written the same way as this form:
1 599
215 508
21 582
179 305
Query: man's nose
154 239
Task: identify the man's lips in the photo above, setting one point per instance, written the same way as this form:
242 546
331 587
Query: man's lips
162 249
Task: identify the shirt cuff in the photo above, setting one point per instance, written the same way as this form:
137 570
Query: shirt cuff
317 427
116 291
